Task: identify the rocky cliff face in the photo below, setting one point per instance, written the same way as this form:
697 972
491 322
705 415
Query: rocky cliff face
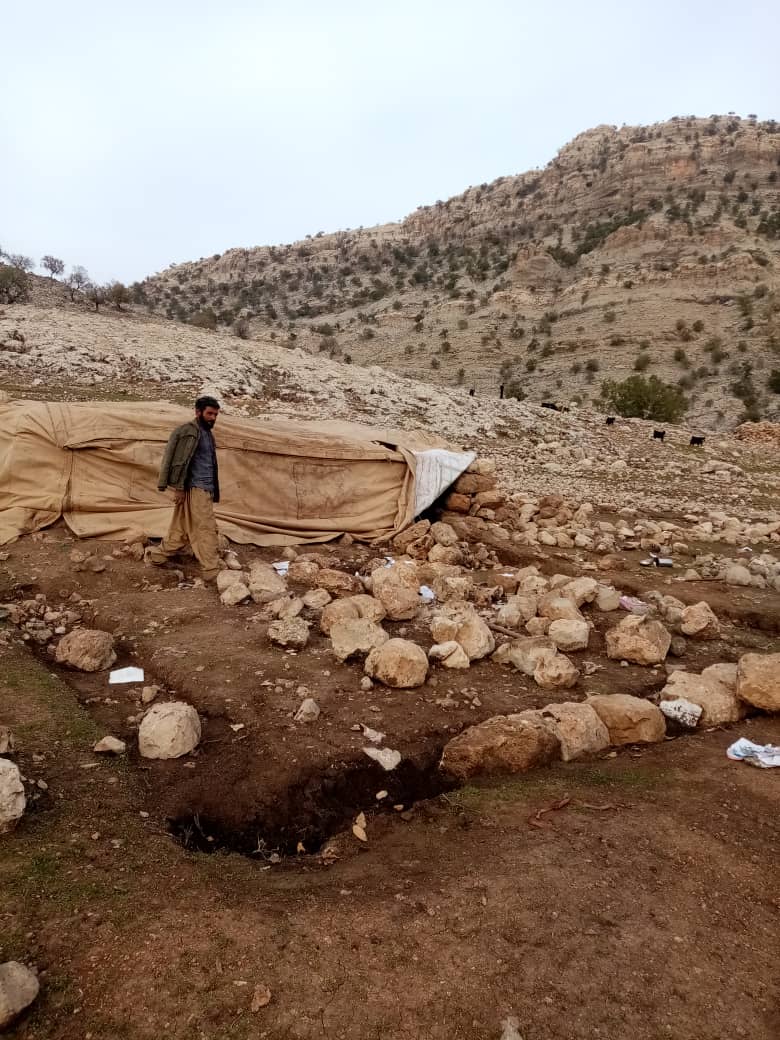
652 249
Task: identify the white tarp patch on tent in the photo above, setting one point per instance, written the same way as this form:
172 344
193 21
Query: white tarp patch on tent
435 470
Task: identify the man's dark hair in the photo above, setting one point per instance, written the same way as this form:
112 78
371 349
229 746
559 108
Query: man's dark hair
206 402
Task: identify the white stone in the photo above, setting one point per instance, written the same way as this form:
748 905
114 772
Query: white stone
169 730
569 635
12 796
309 711
110 746
18 989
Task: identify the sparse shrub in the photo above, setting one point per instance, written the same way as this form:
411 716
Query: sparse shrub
241 328
367 334
514 389
14 286
645 398
461 376
462 324
773 382
681 357
592 365
204 319
698 325
609 317
642 363
435 363
118 293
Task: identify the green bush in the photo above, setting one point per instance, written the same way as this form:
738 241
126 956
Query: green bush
645 398
14 286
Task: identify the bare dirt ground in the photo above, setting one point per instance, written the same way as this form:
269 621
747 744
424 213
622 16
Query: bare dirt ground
646 907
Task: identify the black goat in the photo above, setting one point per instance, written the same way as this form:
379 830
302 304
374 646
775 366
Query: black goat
658 435
696 442
610 420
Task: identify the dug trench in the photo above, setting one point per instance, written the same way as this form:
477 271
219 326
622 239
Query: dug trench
259 783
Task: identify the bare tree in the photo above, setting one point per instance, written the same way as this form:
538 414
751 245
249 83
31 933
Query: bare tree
53 265
21 262
77 281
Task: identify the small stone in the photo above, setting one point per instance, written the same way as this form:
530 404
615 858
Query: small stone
355 636
309 711
110 746
12 797
451 654
639 639
316 599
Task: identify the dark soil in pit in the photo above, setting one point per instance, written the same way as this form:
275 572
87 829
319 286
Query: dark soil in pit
259 782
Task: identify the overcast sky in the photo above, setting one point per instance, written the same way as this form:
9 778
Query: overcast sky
141 134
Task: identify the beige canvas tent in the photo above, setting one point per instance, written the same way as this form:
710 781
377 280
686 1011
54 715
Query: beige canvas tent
282 482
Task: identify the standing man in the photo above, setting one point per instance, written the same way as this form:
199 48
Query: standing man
189 468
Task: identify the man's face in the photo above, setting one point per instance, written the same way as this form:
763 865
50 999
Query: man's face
208 416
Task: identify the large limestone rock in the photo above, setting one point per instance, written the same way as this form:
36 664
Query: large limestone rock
736 574
557 607
629 720
398 590
699 622
555 671
303 571
337 583
18 989
368 607
411 534
715 691
607 598
12 796
451 654
569 635
169 730
581 590
466 627
291 633
525 653
230 577
235 593
577 726
87 649
398 663
337 610
444 534
316 599
638 639
265 585
518 609
356 636
758 680
503 744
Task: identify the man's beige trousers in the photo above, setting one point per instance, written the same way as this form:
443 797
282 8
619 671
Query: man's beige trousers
193 523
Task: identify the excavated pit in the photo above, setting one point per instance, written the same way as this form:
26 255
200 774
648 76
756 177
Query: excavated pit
310 812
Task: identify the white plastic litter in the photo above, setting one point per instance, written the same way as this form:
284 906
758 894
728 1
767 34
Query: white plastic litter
683 711
634 605
428 595
765 756
126 675
281 567
386 757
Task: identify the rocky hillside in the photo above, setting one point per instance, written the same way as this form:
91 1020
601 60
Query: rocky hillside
652 249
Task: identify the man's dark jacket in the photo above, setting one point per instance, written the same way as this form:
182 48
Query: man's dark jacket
178 458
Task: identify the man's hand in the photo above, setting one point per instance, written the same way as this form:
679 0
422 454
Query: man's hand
178 497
